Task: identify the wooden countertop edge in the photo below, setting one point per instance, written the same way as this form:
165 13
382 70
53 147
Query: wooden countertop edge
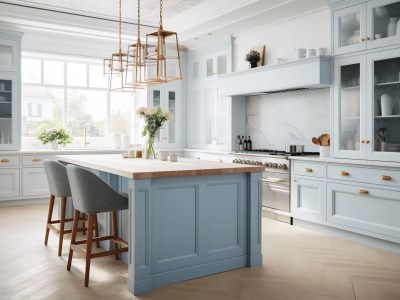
162 174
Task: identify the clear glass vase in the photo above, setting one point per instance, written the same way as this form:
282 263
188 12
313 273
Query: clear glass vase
150 148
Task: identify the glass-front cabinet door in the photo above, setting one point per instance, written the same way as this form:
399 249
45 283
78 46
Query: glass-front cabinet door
350 29
350 108
383 23
9 61
383 109
8 112
168 97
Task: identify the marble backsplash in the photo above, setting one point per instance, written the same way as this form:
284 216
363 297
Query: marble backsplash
276 120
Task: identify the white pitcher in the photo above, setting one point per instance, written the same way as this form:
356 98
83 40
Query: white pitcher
386 105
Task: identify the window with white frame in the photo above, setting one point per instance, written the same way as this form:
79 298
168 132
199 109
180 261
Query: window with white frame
69 92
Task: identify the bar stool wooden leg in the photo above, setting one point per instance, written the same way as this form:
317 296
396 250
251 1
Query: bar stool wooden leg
89 247
51 205
83 223
114 232
73 238
62 223
96 230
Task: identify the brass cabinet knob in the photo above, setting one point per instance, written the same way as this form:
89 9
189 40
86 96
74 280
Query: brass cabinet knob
309 170
367 142
368 38
344 173
386 177
364 192
362 142
36 159
5 160
220 160
363 39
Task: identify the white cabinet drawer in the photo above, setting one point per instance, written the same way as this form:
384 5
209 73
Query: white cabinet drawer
34 182
364 175
9 183
8 160
309 169
361 207
33 160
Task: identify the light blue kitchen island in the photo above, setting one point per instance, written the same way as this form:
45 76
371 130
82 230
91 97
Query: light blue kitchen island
186 219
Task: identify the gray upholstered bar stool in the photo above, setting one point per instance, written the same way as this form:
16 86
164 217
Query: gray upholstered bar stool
59 187
91 195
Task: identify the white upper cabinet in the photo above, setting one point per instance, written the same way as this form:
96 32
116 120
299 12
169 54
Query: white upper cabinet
208 112
10 99
367 106
365 26
169 97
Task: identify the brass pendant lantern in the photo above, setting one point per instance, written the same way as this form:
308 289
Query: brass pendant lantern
162 62
116 66
135 66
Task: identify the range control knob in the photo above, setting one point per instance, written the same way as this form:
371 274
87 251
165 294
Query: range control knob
234 161
280 166
275 166
284 166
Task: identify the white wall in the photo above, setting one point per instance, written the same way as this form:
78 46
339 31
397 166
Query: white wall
288 118
309 31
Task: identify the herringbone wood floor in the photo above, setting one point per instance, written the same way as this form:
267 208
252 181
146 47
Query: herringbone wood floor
298 264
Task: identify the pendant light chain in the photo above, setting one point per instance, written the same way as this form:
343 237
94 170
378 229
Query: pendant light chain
138 25
161 13
120 27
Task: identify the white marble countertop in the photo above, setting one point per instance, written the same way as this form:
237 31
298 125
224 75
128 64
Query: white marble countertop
360 162
140 168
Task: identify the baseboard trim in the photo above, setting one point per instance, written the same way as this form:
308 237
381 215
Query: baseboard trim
19 202
359 238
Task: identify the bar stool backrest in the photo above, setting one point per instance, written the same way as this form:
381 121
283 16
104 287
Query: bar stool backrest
90 194
57 178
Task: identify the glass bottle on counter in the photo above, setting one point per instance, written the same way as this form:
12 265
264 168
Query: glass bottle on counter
245 144
240 144
249 144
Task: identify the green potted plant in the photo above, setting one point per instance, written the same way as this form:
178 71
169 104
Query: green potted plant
253 57
55 136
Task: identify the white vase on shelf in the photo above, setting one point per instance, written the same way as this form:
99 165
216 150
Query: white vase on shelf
386 105
392 26
398 27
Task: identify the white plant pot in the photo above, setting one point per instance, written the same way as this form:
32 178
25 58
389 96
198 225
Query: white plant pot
54 145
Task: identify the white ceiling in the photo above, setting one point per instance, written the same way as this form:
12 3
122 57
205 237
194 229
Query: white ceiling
196 21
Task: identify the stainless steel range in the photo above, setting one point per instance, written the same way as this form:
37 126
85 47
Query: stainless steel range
276 180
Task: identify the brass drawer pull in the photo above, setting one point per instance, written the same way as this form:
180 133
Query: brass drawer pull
5 160
309 170
364 192
36 159
386 177
344 173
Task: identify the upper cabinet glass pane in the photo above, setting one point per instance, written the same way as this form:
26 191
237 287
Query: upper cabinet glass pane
386 21
31 70
350 107
349 27
6 55
210 67
156 98
387 105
